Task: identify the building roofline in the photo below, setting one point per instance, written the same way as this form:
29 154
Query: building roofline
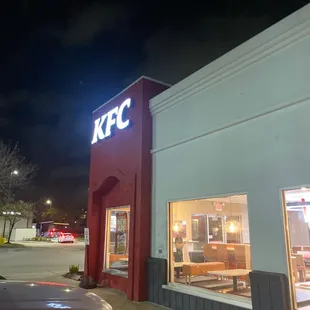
133 83
268 42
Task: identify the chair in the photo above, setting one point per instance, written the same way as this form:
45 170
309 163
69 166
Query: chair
210 252
294 268
297 249
240 256
223 255
301 268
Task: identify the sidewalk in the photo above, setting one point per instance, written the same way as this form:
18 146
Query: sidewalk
118 300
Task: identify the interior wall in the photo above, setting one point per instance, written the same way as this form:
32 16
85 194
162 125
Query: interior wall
183 210
298 228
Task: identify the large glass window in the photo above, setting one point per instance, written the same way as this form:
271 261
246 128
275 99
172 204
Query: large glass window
117 241
210 245
297 207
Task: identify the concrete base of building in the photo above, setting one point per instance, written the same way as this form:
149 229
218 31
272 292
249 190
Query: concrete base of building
269 291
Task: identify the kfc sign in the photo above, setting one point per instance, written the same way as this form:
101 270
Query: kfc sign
106 123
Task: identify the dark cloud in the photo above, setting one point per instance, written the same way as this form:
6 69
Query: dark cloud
86 24
172 54
4 122
3 102
19 96
53 129
69 172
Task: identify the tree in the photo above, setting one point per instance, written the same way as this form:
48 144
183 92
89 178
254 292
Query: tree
14 211
49 214
15 173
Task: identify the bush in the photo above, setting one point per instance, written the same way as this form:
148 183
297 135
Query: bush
74 268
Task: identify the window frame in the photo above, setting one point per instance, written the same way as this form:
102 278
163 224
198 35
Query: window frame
107 240
191 290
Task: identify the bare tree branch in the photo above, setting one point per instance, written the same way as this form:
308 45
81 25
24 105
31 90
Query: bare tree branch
14 211
15 172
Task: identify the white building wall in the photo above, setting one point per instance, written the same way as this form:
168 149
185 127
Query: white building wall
239 125
20 234
23 223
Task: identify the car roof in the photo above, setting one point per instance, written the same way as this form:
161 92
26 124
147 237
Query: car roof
44 295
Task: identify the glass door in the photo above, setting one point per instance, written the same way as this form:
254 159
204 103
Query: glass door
117 241
195 233
215 229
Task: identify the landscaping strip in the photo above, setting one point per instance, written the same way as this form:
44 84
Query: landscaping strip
11 246
74 276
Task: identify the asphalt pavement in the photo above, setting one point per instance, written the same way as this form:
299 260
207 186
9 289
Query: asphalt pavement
40 261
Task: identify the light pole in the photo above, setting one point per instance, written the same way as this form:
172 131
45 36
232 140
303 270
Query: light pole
13 173
48 202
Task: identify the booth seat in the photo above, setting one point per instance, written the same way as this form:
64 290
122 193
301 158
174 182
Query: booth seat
116 257
233 255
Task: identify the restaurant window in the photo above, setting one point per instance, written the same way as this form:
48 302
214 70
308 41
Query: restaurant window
213 233
297 208
117 241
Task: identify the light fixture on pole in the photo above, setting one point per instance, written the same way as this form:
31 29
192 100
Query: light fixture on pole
49 202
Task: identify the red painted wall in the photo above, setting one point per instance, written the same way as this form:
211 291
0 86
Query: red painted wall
120 175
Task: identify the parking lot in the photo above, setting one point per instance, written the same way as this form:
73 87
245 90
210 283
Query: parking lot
40 261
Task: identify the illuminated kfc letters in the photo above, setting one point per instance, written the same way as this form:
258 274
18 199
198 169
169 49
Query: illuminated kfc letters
104 125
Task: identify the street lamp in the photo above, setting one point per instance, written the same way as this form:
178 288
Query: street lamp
13 173
48 202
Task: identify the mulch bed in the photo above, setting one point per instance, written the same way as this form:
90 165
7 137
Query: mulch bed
74 276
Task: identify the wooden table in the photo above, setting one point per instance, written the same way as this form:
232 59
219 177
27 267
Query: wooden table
234 273
194 269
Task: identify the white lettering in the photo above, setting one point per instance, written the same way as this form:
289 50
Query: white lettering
119 122
112 118
98 132
110 122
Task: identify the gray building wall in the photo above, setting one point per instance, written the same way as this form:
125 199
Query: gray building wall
238 125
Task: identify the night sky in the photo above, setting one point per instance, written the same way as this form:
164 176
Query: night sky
60 60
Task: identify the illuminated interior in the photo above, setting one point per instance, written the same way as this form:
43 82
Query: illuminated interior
297 205
117 241
210 245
